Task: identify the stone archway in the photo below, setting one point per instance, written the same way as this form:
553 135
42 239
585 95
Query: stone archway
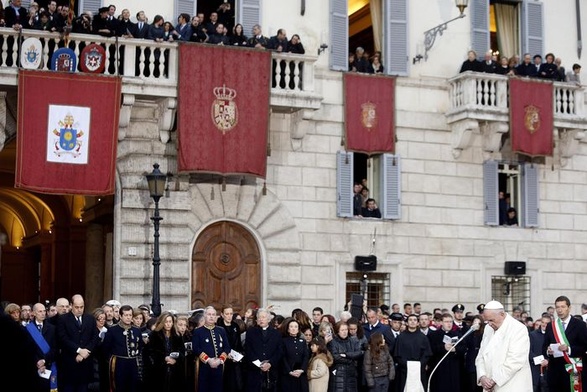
226 268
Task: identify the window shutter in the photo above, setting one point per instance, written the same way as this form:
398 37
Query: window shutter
532 28
480 26
339 35
396 37
491 193
530 195
90 5
250 15
391 185
185 6
24 3
344 184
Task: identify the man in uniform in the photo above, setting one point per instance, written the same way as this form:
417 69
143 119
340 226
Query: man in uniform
458 311
396 323
123 347
411 345
45 337
210 345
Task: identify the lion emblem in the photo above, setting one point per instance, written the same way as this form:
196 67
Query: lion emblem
532 118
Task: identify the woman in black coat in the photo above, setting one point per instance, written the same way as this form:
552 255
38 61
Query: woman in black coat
346 352
163 357
296 355
233 372
238 38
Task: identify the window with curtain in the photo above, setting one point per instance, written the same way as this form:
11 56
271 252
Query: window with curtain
505 28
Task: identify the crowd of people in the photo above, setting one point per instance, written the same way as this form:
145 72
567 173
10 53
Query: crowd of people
219 28
361 61
120 348
530 66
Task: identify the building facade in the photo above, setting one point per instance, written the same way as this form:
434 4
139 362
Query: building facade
289 240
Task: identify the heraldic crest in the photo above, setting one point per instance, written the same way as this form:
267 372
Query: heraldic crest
224 109
68 141
532 118
369 115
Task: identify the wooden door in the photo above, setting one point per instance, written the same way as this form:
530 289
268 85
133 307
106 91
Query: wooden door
226 268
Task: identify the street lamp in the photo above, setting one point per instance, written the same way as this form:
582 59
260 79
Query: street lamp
157 182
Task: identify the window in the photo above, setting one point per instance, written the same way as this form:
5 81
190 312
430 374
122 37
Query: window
383 177
505 17
511 291
519 181
377 28
375 286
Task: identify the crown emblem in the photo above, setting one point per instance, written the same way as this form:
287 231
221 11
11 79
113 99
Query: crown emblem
224 109
224 93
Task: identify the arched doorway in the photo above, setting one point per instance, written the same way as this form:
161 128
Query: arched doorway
226 268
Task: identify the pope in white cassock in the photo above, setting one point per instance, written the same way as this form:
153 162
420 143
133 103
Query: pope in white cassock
502 363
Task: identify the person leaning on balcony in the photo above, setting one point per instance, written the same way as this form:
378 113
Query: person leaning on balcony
16 16
548 70
527 68
278 42
100 23
503 67
471 63
574 75
488 65
295 45
560 70
238 37
258 40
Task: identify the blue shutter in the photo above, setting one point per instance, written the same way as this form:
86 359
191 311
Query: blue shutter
24 3
530 195
396 37
344 184
491 193
480 26
391 185
339 35
532 28
90 5
185 6
250 15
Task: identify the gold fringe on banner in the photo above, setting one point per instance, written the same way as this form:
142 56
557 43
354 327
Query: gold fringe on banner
265 189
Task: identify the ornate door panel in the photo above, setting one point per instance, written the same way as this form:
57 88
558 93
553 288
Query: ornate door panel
226 268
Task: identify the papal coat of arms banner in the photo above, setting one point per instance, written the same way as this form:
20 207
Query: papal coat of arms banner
531 116
369 104
67 136
223 109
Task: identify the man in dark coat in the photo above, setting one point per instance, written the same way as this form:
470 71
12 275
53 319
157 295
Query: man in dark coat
374 325
77 337
263 353
567 329
411 345
44 335
448 375
536 344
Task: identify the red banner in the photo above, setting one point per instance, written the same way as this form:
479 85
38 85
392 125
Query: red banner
531 116
369 113
67 132
223 112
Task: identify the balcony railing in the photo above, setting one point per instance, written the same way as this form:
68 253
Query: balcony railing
150 68
483 96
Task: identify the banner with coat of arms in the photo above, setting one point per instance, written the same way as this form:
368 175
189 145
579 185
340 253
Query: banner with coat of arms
369 104
531 116
67 132
223 109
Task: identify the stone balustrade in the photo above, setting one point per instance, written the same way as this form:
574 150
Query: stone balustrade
150 68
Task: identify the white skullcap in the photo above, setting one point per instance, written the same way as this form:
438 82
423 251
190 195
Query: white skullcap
493 305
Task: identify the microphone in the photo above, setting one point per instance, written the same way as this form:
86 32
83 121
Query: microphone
473 328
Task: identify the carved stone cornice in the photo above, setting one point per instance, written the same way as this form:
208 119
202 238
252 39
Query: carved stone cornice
166 114
492 132
568 142
128 101
462 135
300 125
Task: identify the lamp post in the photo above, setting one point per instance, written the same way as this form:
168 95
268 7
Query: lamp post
157 182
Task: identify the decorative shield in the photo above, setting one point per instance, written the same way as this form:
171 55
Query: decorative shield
64 60
224 109
93 59
67 139
31 53
532 118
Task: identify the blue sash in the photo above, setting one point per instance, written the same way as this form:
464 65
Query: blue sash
44 346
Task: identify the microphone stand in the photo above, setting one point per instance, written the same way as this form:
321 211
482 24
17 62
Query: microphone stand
470 331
